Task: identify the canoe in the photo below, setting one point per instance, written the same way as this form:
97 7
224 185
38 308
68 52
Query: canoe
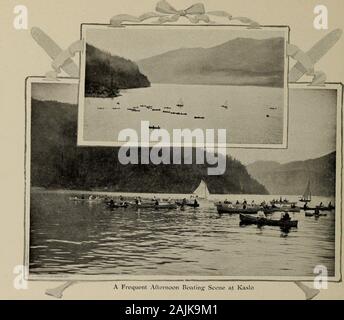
188 204
320 208
281 209
246 219
116 205
313 214
227 209
154 206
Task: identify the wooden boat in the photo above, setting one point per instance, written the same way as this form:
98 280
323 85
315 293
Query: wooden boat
320 208
222 208
154 127
180 103
247 219
313 214
188 204
281 209
154 206
116 205
89 200
225 105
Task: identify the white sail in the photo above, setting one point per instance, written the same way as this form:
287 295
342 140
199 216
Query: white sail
180 103
202 190
307 195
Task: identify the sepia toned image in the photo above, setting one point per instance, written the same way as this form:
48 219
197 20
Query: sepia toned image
184 77
273 215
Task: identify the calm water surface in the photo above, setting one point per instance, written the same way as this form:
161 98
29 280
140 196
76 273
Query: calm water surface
83 238
248 108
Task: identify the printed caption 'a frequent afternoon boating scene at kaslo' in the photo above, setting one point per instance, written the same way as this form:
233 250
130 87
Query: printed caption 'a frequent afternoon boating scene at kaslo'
272 213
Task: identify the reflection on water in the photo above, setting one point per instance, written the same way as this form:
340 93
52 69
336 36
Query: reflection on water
81 238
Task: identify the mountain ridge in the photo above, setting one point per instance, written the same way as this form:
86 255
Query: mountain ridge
240 61
291 178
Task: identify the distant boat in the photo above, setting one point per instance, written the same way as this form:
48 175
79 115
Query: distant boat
197 117
307 195
114 108
154 127
202 191
225 105
167 108
273 108
156 109
180 103
100 108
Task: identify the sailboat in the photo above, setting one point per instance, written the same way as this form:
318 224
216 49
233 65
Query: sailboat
202 191
307 195
180 103
225 105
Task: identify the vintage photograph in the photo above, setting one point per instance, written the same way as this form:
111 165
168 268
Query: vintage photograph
274 213
184 77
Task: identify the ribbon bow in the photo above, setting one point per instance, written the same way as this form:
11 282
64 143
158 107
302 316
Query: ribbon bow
194 13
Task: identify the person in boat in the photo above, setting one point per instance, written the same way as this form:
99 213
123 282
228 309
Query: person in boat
286 217
195 202
305 206
121 198
321 205
237 202
156 202
261 215
330 205
245 201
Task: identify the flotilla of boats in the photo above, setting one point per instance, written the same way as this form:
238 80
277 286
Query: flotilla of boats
166 109
249 213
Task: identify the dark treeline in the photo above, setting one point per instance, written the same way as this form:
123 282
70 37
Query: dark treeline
107 74
56 162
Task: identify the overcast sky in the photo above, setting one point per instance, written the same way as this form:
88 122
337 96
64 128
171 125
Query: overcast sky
312 128
62 92
137 43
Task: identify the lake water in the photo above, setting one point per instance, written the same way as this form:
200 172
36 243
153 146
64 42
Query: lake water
245 119
68 237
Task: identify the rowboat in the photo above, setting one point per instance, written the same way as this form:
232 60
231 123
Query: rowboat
246 219
116 205
154 206
188 204
320 208
281 209
221 208
313 214
307 195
